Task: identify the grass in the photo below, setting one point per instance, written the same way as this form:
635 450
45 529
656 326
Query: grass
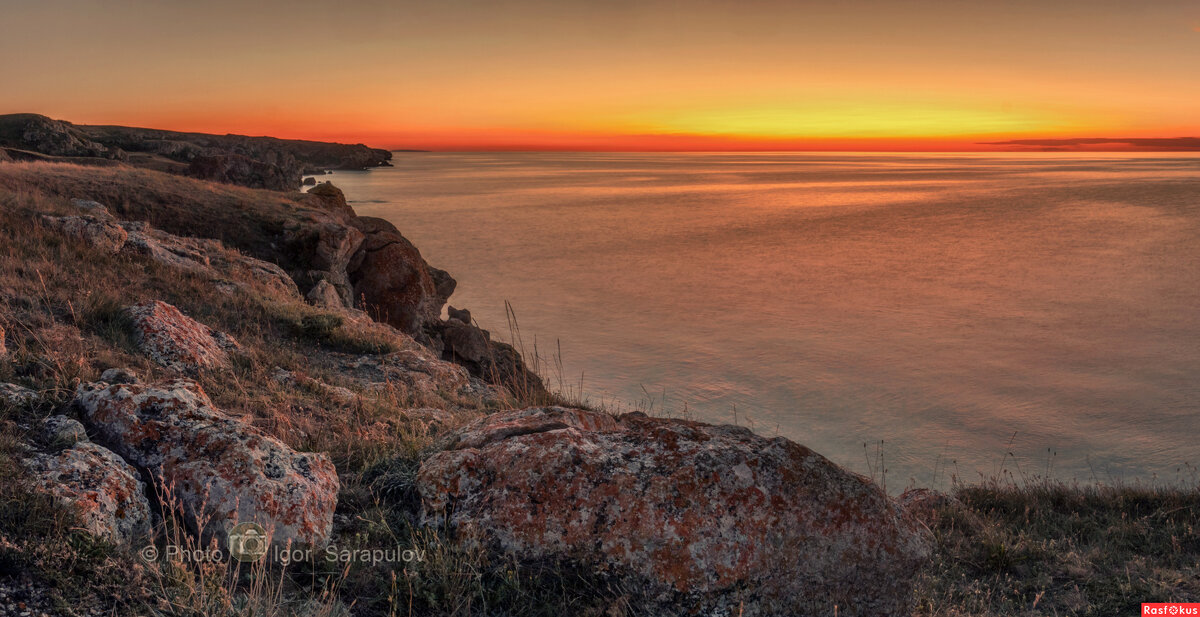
1011 548
1053 548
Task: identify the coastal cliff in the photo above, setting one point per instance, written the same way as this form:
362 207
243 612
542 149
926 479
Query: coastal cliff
179 357
256 162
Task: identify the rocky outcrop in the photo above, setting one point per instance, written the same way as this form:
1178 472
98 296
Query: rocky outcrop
214 467
97 232
703 519
204 256
241 170
177 341
52 137
263 162
330 198
393 280
492 361
104 490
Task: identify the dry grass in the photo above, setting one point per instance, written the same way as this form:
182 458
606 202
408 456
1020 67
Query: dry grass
1050 548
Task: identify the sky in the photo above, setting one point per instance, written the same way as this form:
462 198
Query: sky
617 74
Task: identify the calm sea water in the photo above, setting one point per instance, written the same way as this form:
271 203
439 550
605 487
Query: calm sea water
958 315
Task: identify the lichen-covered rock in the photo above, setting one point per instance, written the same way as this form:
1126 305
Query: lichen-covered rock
63 431
216 467
119 375
16 395
98 232
205 256
702 519
177 341
105 491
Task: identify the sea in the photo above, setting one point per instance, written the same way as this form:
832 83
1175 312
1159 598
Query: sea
922 319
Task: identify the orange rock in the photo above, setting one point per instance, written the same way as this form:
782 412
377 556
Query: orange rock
705 519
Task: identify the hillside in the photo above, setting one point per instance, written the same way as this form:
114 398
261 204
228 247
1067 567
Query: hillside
177 356
256 162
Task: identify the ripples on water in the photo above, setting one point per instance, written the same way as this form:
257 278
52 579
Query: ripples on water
938 303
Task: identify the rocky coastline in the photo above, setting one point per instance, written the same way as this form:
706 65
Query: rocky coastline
180 356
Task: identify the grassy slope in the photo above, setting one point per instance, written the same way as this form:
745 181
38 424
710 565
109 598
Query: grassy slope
1038 549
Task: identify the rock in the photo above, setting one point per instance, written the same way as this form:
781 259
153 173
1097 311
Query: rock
243 171
97 232
205 256
105 490
310 181
16 396
330 198
462 315
466 344
443 283
493 361
218 468
392 279
702 519
93 208
119 375
177 341
325 295
63 431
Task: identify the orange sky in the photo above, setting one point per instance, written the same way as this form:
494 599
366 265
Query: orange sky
614 74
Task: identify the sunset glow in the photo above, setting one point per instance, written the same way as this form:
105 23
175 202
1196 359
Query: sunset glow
612 76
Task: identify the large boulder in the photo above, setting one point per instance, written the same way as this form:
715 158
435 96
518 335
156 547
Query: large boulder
694 518
216 468
393 280
177 341
97 232
105 491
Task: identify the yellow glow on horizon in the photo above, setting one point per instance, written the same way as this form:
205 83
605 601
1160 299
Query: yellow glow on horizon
858 120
